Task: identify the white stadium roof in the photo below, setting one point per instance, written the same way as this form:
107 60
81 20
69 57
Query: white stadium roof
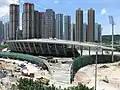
67 42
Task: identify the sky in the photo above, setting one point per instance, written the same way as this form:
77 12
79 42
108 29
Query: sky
4 9
103 8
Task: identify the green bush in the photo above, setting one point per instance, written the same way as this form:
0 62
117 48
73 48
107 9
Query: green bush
104 66
29 84
3 46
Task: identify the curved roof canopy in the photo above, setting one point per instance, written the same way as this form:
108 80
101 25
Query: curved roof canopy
67 42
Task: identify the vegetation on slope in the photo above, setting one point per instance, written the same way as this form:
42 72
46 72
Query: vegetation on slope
30 84
108 38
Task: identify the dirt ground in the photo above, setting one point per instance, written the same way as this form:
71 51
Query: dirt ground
111 74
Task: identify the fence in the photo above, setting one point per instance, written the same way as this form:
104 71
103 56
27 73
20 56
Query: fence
82 61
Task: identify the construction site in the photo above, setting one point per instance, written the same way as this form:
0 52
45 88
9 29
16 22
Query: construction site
64 72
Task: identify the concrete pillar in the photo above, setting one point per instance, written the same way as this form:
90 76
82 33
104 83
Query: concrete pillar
9 45
16 46
29 47
81 49
41 48
35 47
24 47
64 50
20 47
73 50
102 51
48 49
13 47
57 52
89 50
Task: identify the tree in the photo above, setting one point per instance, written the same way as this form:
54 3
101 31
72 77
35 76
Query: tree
30 84
13 87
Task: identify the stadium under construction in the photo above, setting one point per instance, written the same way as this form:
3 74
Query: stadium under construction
52 47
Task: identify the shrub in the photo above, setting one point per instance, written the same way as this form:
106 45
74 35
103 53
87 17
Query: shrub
29 84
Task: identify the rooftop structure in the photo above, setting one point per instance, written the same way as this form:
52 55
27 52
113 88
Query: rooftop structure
66 42
51 47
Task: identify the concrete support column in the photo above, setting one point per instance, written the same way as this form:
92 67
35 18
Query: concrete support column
102 51
73 50
20 47
64 50
89 51
16 46
57 52
41 48
10 46
34 47
29 47
13 47
24 47
71 76
81 49
48 49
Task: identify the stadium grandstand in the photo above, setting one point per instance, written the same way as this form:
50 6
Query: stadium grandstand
51 47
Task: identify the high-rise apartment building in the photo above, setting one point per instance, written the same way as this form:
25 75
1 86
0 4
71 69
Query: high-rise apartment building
73 32
42 24
28 21
36 25
91 25
59 26
97 33
19 34
67 27
79 25
85 32
6 31
50 24
14 21
1 31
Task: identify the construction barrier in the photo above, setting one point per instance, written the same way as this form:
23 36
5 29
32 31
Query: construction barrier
25 57
82 61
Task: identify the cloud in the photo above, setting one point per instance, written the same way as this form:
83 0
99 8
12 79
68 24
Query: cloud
103 11
40 6
56 1
13 1
22 1
4 8
4 11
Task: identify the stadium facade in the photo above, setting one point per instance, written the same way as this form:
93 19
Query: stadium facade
50 47
44 47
